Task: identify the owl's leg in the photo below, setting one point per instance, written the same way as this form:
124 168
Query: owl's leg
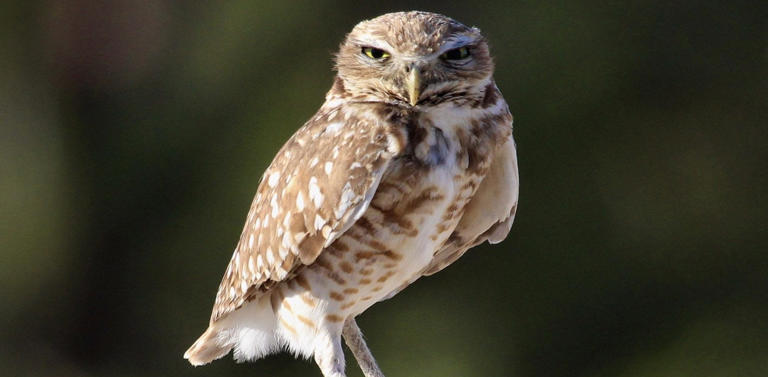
330 359
354 339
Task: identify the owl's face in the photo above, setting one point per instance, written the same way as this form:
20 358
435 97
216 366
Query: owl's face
413 59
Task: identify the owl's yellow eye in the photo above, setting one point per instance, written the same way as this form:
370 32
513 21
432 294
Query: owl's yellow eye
456 54
375 53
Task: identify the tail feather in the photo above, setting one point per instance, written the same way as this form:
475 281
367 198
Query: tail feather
250 330
207 348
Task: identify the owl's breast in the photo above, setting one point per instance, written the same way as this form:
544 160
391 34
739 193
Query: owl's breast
445 160
410 216
418 203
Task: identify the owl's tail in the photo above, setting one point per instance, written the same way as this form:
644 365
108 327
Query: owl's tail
250 330
207 348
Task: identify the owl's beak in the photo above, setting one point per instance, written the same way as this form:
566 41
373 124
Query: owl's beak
413 82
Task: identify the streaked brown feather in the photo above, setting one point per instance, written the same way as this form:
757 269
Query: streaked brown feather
295 230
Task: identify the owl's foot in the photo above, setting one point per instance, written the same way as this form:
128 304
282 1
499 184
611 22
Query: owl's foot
354 339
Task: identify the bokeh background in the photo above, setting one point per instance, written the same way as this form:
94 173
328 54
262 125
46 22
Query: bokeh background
133 135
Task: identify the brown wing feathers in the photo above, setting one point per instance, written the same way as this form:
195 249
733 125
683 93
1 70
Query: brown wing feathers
309 195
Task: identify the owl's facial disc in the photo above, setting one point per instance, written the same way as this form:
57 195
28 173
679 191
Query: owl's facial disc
414 59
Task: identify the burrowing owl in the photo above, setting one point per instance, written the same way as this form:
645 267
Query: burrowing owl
409 162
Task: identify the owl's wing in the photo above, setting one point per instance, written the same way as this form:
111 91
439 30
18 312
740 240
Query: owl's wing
318 185
490 213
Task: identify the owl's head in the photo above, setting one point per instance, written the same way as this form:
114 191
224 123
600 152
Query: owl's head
413 58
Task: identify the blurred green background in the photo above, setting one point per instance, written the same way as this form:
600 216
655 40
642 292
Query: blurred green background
133 135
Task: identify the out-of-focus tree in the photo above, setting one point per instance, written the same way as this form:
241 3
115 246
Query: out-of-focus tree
133 135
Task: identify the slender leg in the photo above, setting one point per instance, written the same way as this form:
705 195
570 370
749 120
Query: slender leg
354 339
331 359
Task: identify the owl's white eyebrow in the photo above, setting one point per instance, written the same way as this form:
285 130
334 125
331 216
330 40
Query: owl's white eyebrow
371 42
456 42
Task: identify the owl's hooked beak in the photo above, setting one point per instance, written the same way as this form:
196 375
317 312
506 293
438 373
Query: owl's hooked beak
413 82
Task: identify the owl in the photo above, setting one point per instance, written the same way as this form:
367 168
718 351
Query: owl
409 163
